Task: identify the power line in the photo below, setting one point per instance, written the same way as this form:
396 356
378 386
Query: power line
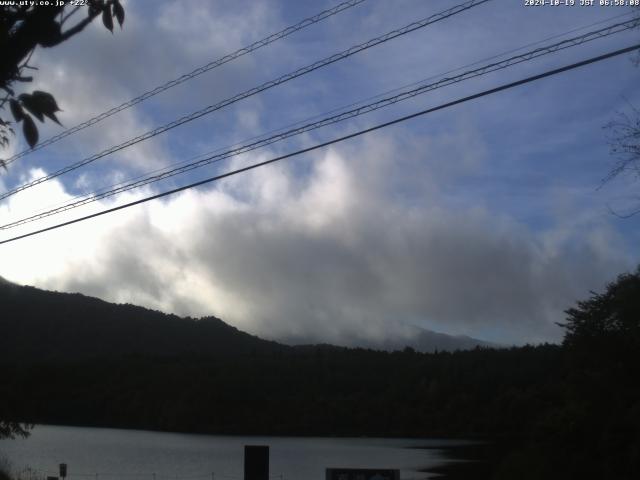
344 107
255 90
336 140
385 102
307 22
352 104
334 110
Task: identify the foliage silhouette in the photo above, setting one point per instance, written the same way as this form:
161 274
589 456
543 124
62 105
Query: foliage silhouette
624 142
24 26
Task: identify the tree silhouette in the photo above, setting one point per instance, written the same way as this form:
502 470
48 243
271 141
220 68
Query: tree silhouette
13 429
24 27
600 417
608 319
624 142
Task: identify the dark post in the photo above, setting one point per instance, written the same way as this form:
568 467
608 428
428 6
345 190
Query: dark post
256 462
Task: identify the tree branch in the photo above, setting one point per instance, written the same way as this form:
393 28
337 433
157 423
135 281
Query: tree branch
77 28
69 15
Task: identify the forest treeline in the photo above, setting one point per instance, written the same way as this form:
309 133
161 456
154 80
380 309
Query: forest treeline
563 411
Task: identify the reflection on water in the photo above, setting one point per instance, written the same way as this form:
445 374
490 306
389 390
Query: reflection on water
107 454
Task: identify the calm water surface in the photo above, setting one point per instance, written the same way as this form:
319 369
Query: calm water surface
108 454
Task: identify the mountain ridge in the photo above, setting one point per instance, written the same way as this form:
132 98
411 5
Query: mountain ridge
46 325
49 325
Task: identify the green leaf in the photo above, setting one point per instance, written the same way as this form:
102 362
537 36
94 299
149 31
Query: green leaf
118 11
46 100
95 7
52 116
107 20
32 105
30 131
46 104
16 110
41 104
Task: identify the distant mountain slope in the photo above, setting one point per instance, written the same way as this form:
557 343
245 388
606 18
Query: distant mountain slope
37 325
429 341
420 339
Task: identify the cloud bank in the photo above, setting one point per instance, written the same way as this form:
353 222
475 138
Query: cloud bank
335 253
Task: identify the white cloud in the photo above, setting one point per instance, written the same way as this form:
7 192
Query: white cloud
334 255
357 241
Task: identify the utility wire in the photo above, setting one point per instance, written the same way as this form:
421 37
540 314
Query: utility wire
334 110
336 140
353 104
253 91
188 76
385 102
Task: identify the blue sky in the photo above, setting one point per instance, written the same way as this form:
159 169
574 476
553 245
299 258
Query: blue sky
484 219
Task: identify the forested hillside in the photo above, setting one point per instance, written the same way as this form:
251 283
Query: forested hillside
563 411
39 325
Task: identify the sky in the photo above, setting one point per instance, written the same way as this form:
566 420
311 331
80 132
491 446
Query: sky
487 219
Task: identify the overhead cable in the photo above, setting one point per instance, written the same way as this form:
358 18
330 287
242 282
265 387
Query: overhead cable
255 90
188 76
331 142
385 102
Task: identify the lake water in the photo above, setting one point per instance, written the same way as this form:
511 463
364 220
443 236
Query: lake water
109 454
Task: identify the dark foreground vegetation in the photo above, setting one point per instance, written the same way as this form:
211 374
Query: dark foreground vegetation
550 411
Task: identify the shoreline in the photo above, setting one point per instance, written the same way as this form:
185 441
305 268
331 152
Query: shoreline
473 461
